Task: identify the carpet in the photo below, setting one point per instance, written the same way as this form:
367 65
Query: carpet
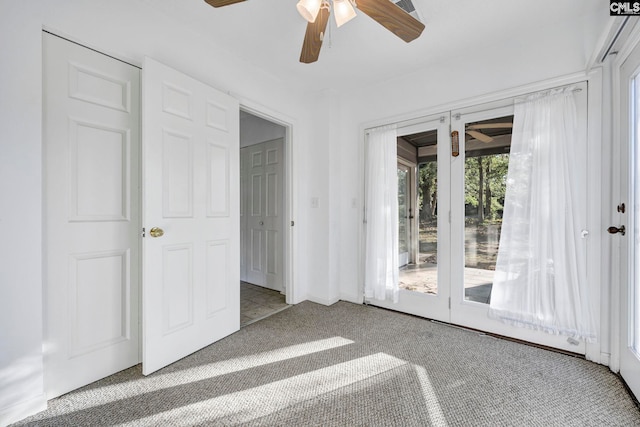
354 365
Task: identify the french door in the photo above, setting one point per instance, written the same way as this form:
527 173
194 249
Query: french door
478 185
424 282
629 217
461 173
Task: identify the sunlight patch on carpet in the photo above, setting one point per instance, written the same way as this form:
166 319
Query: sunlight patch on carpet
246 405
160 380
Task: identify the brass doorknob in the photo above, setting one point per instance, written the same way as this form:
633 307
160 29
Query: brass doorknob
156 232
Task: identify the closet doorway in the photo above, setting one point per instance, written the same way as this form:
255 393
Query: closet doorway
262 217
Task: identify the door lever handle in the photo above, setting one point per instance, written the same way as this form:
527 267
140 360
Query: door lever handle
614 230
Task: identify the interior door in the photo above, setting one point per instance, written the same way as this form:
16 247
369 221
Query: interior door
425 284
191 266
478 177
91 143
629 217
274 214
255 233
264 185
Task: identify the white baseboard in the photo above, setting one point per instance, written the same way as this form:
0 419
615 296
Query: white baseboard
22 410
322 301
354 298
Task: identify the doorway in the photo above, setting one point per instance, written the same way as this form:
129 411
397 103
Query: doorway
263 175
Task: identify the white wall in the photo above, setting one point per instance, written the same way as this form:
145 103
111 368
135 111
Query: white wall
21 383
254 130
128 30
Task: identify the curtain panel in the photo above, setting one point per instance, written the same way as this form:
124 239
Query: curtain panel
540 279
381 215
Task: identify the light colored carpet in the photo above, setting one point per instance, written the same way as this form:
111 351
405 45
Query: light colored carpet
353 365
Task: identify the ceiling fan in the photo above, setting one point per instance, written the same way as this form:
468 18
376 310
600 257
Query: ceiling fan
316 12
474 130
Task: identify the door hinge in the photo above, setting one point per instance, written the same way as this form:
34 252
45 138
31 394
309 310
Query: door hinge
449 303
143 233
292 223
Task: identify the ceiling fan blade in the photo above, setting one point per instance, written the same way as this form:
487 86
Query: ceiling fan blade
479 136
220 3
392 17
313 37
491 126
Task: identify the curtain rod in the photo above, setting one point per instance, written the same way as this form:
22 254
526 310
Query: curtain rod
546 92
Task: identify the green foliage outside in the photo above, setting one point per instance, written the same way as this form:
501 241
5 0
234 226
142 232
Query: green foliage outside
485 185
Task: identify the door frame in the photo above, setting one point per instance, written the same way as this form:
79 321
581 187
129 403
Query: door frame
292 295
621 269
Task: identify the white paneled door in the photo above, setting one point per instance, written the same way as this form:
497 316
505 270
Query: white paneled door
627 227
91 146
263 184
191 252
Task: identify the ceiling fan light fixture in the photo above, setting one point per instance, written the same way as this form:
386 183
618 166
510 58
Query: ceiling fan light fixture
309 9
343 11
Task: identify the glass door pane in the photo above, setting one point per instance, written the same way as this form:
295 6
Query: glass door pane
487 145
428 224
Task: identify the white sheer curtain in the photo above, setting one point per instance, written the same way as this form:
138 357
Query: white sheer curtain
540 279
381 230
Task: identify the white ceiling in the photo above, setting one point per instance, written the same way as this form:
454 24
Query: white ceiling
268 34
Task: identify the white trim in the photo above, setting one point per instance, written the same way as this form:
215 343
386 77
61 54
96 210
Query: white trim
605 41
615 194
323 301
595 183
292 292
21 410
632 40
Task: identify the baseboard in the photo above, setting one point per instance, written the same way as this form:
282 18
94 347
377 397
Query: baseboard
323 301
356 299
605 359
22 410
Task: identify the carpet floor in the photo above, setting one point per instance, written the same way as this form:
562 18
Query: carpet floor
354 365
